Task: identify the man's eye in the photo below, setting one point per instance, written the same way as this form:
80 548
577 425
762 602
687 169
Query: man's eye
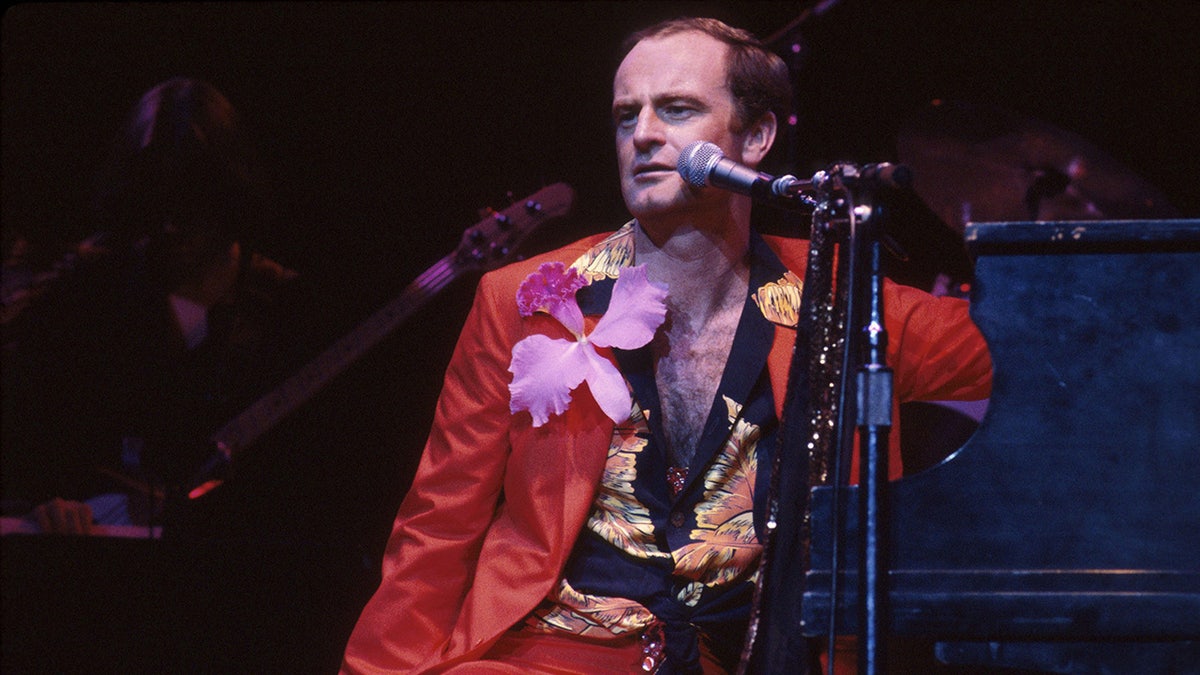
624 118
676 111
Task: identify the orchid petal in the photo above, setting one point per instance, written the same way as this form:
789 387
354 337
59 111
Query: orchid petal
636 310
551 289
545 370
568 314
608 387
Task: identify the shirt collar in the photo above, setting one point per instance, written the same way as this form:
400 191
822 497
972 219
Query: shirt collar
777 294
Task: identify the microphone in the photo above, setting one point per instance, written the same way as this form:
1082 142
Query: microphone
703 164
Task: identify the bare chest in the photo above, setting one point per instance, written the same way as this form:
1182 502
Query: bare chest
691 361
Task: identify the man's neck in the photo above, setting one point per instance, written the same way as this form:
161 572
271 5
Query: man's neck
698 266
690 233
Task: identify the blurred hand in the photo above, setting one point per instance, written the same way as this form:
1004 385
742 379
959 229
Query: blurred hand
60 516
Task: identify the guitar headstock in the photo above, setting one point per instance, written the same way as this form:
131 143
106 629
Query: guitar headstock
495 240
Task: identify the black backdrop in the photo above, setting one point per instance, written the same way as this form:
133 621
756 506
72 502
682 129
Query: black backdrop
387 126
390 124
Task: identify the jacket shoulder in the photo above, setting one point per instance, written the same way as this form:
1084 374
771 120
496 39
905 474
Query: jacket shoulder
792 252
510 276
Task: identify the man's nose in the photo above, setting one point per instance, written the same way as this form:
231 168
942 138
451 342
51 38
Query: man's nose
648 132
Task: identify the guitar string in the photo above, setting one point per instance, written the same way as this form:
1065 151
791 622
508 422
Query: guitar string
264 413
255 420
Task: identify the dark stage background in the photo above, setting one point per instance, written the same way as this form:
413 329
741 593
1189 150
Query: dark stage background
387 127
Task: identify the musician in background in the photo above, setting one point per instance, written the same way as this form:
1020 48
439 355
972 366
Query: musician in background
593 494
128 362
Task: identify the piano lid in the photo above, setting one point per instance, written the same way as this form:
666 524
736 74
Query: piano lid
1050 237
1074 510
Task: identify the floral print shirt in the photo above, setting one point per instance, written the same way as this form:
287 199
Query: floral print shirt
686 558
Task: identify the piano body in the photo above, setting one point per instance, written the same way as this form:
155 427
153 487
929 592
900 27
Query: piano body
1064 536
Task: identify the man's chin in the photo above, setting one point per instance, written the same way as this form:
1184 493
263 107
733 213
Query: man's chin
648 204
649 213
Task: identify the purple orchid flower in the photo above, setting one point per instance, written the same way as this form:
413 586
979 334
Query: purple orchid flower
546 370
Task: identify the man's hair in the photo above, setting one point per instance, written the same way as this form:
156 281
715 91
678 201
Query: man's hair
757 78
182 158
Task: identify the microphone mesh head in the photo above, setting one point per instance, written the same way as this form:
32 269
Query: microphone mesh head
697 161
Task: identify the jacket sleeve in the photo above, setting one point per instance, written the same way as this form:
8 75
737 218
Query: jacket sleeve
934 348
431 555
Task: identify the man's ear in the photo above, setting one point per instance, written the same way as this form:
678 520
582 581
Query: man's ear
759 138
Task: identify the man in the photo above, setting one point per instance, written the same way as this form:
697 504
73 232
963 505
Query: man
128 362
569 539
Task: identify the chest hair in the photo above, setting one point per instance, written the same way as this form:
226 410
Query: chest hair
691 357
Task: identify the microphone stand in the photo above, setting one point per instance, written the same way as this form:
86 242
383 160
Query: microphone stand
843 200
874 420
848 188
874 406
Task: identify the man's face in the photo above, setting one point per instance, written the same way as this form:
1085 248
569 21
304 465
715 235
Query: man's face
667 93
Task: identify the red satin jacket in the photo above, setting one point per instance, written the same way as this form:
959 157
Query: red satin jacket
496 504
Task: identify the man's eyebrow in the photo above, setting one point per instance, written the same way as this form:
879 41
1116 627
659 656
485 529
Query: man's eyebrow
673 97
658 99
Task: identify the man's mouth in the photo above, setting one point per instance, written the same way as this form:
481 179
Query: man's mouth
652 169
